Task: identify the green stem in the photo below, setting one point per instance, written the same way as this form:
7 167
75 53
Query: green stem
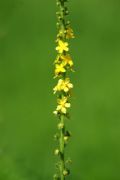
62 131
62 163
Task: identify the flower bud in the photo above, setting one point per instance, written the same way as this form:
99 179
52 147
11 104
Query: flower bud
56 152
58 3
57 24
55 112
66 172
66 138
66 12
57 13
60 18
60 126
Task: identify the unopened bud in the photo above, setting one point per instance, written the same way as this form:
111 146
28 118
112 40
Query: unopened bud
66 138
60 126
56 152
66 172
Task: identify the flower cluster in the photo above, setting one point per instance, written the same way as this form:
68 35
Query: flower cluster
63 65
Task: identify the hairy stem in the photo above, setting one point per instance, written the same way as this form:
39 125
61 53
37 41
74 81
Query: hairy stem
62 164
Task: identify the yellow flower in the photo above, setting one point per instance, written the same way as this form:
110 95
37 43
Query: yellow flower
67 60
63 85
59 68
63 105
62 46
69 33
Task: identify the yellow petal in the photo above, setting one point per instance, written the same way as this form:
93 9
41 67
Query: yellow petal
71 63
66 49
59 107
66 89
60 42
55 112
67 105
63 110
70 85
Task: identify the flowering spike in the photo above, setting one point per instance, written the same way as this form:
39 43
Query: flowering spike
63 65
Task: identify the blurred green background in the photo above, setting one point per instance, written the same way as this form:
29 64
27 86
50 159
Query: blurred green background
27 126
